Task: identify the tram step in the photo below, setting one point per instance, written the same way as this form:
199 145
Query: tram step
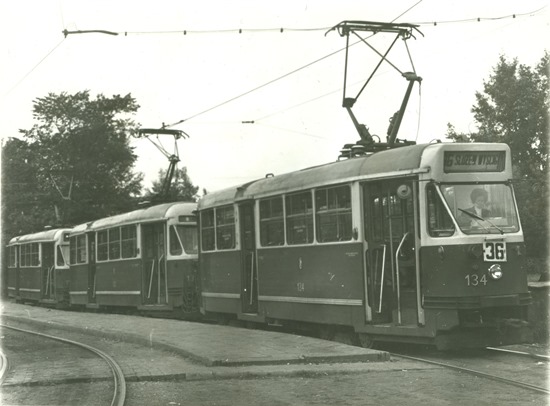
251 317
92 306
156 307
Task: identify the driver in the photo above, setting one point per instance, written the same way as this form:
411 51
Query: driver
479 199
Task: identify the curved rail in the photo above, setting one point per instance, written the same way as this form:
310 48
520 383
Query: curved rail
119 395
522 385
4 366
538 357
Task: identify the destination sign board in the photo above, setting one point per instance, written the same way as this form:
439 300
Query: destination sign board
474 161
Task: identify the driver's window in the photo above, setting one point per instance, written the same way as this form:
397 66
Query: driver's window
440 223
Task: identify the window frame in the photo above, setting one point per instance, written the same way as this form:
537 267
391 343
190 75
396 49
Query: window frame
76 248
13 260
294 216
339 209
228 225
29 255
266 224
129 245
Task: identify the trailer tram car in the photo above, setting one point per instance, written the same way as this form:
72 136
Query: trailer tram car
386 247
145 259
38 268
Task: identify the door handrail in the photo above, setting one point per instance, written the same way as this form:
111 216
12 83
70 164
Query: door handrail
397 275
251 277
48 292
151 279
94 287
382 278
165 280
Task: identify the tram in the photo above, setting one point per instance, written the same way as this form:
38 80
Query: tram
145 259
419 243
38 267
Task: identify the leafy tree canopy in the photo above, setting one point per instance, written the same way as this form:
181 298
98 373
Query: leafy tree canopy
513 108
181 188
75 162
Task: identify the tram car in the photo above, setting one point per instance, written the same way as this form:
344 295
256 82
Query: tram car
145 259
420 243
38 267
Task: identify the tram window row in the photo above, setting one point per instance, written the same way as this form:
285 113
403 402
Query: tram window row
293 213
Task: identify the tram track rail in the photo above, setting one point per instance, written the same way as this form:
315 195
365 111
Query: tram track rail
523 385
538 357
4 366
119 393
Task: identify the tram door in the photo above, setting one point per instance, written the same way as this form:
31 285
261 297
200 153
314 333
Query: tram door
390 211
249 274
48 266
90 237
155 283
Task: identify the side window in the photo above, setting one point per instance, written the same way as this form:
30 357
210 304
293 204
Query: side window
114 243
23 255
78 250
439 221
271 222
129 241
30 254
72 250
102 246
12 257
299 218
225 228
207 230
333 211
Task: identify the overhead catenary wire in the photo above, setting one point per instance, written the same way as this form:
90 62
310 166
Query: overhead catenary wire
334 53
34 67
312 29
282 30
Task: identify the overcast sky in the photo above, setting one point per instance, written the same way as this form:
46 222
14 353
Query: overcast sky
186 60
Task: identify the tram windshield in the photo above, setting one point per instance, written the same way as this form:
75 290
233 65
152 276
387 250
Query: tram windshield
482 208
183 239
62 255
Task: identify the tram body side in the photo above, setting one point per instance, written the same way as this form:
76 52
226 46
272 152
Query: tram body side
388 276
38 270
144 260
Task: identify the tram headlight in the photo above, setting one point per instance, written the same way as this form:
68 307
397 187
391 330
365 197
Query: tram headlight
495 271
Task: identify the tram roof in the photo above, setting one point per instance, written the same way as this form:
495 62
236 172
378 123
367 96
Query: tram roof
149 214
393 160
41 236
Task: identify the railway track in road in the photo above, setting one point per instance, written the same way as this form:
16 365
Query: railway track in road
119 393
538 357
452 365
3 366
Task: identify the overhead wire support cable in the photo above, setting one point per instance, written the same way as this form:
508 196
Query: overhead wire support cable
256 88
34 67
66 32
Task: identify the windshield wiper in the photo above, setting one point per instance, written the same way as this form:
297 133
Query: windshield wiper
476 217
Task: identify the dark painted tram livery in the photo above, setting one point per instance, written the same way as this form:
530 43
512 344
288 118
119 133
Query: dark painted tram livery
387 246
38 267
144 259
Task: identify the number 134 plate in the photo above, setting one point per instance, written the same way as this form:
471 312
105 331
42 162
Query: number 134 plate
494 251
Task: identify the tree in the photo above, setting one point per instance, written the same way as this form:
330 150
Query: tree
79 156
513 108
21 197
181 189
